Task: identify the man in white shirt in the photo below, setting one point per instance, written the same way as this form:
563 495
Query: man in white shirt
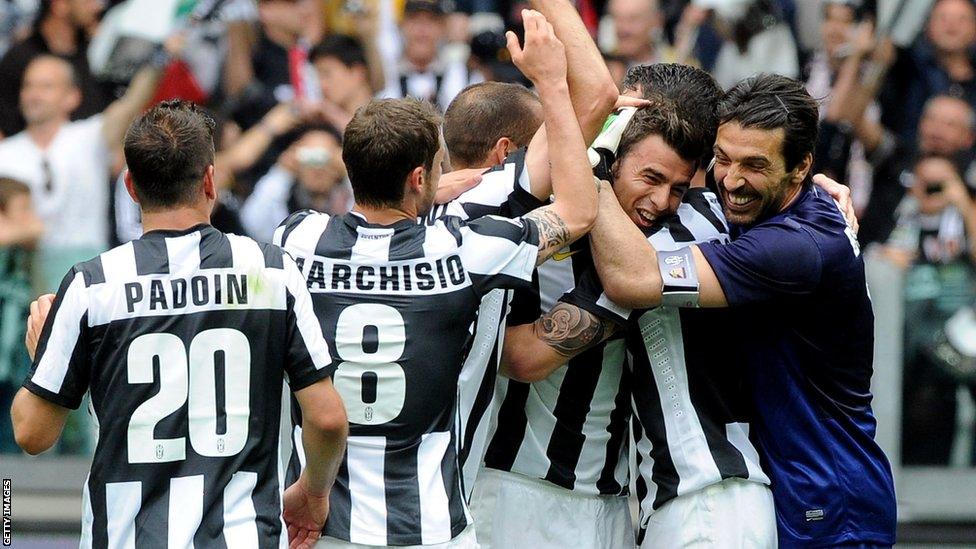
68 164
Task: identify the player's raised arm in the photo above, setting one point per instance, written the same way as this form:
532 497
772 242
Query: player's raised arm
543 60
592 90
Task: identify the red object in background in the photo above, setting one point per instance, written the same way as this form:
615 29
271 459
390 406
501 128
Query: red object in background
589 16
178 82
297 56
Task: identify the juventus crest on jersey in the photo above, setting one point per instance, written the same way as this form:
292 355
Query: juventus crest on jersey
396 303
183 339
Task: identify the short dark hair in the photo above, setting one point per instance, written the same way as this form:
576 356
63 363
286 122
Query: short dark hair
10 188
770 102
346 49
692 92
663 118
386 140
484 113
167 151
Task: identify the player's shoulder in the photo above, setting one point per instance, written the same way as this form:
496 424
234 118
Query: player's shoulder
494 226
306 220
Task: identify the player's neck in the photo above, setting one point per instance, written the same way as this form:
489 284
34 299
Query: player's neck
385 216
176 219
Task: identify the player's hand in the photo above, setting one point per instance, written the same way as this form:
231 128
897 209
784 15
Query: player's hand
542 59
39 310
453 184
842 195
304 514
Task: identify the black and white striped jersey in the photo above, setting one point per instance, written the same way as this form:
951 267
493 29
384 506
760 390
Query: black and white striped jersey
505 191
182 339
571 428
690 399
396 303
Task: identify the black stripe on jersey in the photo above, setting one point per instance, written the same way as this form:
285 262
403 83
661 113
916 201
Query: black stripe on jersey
340 506
505 444
572 406
99 529
453 225
481 401
696 198
679 233
272 256
151 256
640 485
618 433
717 386
408 244
511 231
526 304
402 498
663 473
336 241
215 251
93 271
450 472
291 223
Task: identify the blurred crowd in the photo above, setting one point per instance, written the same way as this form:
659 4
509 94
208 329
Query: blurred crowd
897 80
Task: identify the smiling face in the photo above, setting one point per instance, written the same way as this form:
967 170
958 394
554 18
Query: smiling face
751 173
651 180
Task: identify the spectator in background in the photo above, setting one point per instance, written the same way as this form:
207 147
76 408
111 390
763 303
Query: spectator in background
935 242
308 175
637 26
20 229
757 38
271 67
68 164
62 28
831 71
420 72
343 76
942 61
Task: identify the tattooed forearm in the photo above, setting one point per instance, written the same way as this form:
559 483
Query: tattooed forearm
553 232
570 330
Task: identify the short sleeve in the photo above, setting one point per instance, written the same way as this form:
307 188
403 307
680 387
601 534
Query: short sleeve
505 190
589 296
307 351
62 366
778 259
498 252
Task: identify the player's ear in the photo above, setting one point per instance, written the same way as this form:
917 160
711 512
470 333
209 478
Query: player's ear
415 180
209 183
499 151
129 186
802 169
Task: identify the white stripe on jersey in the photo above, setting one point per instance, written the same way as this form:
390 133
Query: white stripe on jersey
122 503
296 438
119 264
738 435
435 514
184 254
185 509
531 459
305 319
53 366
645 472
490 255
367 521
596 426
305 235
488 335
693 461
240 528
373 244
556 277
87 518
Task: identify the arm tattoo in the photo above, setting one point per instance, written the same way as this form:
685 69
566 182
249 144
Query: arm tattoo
570 330
553 232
